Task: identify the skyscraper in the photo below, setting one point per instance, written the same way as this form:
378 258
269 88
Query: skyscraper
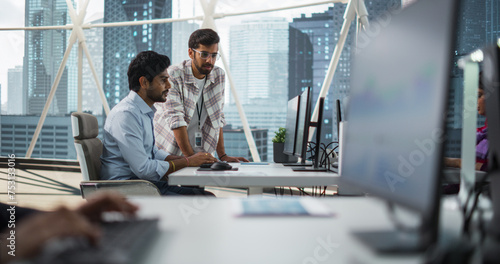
259 66
16 104
121 44
300 61
43 53
492 21
91 101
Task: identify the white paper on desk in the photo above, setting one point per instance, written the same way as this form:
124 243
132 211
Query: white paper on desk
280 207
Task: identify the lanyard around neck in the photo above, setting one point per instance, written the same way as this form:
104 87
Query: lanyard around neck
199 110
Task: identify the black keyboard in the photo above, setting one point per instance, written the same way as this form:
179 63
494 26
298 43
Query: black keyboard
121 242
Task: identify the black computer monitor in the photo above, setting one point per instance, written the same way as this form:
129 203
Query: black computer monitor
491 83
291 125
393 140
304 123
339 118
303 120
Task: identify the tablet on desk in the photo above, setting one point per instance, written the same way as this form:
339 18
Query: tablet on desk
280 207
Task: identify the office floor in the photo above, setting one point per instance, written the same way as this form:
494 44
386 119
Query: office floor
47 190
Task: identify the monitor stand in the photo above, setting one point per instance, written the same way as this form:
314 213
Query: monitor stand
311 168
298 164
402 240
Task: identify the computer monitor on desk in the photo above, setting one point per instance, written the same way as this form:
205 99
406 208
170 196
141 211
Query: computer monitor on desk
302 133
394 136
291 125
297 112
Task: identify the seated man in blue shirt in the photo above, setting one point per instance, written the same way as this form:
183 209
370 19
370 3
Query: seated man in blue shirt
129 150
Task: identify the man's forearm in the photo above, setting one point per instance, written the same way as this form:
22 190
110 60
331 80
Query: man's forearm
220 144
182 138
173 157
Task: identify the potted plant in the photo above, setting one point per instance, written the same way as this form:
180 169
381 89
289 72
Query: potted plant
279 146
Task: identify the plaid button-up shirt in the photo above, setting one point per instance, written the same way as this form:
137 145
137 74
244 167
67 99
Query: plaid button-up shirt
180 107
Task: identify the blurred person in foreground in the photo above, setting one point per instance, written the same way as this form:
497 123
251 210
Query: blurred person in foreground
31 229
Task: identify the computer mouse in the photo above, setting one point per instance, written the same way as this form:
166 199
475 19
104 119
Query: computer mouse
221 165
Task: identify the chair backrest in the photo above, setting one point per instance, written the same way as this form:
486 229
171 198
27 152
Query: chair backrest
88 146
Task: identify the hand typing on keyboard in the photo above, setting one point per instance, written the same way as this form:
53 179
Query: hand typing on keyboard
36 229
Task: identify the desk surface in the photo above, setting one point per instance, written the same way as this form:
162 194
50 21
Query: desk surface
206 230
253 176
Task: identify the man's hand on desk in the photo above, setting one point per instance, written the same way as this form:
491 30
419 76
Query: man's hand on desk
200 158
233 159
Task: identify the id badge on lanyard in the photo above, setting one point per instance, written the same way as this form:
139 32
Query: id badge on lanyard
197 139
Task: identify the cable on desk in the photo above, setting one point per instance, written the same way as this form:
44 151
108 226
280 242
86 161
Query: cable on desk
302 191
479 187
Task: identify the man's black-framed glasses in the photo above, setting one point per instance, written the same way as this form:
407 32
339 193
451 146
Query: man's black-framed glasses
205 55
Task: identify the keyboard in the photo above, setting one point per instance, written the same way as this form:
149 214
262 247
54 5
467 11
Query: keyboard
121 242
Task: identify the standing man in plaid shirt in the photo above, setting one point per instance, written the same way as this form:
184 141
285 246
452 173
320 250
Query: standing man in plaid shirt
191 119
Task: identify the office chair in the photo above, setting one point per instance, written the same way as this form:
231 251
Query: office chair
89 149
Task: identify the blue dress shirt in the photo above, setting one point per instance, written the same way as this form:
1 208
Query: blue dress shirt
129 151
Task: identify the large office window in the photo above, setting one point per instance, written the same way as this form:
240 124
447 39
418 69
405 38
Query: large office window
272 57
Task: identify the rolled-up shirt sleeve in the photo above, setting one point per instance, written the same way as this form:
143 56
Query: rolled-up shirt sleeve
128 133
173 109
160 154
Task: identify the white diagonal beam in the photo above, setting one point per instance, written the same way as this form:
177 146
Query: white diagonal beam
72 39
82 43
350 13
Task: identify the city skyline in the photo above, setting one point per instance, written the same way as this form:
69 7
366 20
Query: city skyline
13 16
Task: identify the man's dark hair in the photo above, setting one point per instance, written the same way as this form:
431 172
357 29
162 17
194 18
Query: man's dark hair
205 37
147 64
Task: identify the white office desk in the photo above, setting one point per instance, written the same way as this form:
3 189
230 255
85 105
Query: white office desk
253 177
205 230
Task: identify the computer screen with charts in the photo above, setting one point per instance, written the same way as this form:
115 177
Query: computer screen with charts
396 114
291 125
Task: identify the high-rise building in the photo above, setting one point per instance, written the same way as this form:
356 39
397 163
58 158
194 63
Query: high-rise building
492 21
43 53
16 104
55 140
323 30
122 44
181 30
300 71
91 101
233 138
259 67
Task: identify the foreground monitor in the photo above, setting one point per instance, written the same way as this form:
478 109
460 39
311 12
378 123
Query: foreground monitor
394 136
491 82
